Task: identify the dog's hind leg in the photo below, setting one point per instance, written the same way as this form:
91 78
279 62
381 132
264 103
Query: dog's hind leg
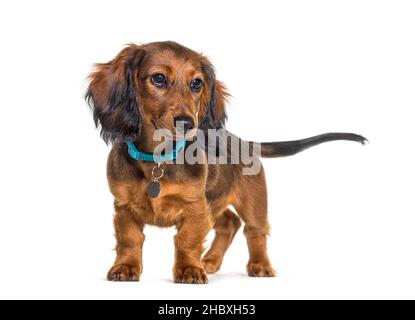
250 202
226 225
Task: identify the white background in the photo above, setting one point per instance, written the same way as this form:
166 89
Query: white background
342 215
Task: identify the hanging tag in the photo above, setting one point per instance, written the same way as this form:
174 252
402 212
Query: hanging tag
153 188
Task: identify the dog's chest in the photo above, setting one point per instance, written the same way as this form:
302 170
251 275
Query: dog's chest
166 209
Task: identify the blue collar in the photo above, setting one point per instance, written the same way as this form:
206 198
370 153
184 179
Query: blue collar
139 155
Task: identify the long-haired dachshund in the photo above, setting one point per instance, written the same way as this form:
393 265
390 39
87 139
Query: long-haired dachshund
156 86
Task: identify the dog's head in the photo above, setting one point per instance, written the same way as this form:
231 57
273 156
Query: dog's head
159 85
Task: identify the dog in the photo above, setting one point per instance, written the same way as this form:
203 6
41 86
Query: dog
158 86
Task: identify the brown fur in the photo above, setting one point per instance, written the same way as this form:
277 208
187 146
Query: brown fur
194 198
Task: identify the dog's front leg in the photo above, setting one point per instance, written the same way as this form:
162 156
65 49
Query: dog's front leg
192 231
130 238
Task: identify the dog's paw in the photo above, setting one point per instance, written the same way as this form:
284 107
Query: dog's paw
260 269
124 272
192 275
211 265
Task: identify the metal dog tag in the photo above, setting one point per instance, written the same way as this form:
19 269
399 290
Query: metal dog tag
153 189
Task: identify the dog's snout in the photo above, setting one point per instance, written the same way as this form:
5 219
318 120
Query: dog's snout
184 123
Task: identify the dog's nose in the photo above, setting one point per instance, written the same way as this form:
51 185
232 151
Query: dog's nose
184 123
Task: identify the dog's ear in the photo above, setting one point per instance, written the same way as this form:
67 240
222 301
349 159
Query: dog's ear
214 110
113 98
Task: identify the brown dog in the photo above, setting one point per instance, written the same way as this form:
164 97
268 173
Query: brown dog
154 86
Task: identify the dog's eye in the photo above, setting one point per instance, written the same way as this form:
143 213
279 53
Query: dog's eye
159 80
196 84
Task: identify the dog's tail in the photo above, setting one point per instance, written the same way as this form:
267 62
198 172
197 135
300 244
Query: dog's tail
288 148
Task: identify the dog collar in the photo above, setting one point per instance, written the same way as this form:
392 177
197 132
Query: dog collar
139 155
